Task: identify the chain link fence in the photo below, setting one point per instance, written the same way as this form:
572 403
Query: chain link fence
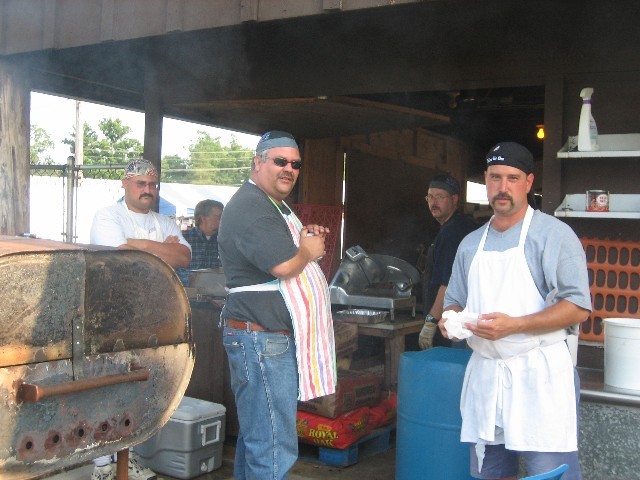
64 198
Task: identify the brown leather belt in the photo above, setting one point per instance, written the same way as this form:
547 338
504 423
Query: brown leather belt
253 327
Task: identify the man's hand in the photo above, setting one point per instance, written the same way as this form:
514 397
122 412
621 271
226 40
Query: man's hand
172 239
425 339
312 241
441 326
311 248
172 252
314 230
494 326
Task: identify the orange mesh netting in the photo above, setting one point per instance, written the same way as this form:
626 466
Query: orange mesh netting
614 282
327 216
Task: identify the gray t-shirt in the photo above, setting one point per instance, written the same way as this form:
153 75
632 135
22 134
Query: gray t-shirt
252 239
554 254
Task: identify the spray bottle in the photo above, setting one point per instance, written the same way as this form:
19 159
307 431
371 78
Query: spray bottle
587 129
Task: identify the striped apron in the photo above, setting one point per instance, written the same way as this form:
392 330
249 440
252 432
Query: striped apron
307 299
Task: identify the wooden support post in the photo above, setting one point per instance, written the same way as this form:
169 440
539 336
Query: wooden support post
153 112
122 466
14 150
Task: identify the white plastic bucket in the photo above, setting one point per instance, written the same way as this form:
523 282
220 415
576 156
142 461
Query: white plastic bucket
622 352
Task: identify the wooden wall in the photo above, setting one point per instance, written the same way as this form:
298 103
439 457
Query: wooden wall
387 176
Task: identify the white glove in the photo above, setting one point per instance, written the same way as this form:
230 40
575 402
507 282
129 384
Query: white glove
425 339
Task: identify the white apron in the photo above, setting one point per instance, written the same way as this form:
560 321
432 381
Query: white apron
518 390
141 232
307 299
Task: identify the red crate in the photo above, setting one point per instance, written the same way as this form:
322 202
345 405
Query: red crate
327 216
614 282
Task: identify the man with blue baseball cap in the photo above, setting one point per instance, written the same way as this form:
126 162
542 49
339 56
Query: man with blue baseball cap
278 331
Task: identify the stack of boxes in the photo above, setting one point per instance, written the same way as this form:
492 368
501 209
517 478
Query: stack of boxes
340 419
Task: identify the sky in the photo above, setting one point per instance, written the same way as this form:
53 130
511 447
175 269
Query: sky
57 115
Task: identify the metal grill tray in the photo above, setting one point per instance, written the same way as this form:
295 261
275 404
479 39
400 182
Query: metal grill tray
361 316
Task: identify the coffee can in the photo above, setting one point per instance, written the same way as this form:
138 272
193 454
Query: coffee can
597 201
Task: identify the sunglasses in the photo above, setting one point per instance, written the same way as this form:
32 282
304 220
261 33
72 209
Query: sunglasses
282 162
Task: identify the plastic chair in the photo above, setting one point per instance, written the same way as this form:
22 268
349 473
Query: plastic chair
554 474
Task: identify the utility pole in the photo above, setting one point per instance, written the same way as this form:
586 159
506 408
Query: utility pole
72 162
79 144
68 234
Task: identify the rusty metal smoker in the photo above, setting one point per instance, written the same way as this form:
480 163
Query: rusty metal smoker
95 352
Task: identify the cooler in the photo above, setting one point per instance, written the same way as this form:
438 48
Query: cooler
190 444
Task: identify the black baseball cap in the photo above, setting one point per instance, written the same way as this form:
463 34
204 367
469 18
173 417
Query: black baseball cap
511 154
446 182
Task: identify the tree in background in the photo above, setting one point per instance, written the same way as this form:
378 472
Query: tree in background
175 169
40 147
113 148
209 163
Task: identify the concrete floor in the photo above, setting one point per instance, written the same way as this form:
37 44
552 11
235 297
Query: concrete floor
380 466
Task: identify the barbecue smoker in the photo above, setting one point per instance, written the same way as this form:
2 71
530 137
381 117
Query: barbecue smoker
208 284
374 281
95 352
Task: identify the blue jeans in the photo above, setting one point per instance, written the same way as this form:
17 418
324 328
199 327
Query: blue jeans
264 380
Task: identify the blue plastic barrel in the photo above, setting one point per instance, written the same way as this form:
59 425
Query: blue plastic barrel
428 428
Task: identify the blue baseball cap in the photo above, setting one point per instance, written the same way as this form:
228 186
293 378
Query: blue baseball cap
276 138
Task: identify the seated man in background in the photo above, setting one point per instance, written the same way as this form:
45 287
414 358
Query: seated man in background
203 238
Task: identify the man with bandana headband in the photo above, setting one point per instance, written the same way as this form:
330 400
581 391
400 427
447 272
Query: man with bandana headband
278 331
132 224
523 279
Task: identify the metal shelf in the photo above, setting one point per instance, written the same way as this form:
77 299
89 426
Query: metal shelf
622 145
621 205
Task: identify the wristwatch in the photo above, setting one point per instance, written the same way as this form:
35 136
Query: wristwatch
430 318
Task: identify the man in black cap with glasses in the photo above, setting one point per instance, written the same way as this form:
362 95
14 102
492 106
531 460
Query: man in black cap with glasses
442 199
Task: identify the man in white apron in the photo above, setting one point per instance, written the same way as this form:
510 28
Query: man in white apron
131 223
525 276
278 332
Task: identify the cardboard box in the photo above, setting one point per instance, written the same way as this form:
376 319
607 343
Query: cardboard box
354 390
346 337
190 444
